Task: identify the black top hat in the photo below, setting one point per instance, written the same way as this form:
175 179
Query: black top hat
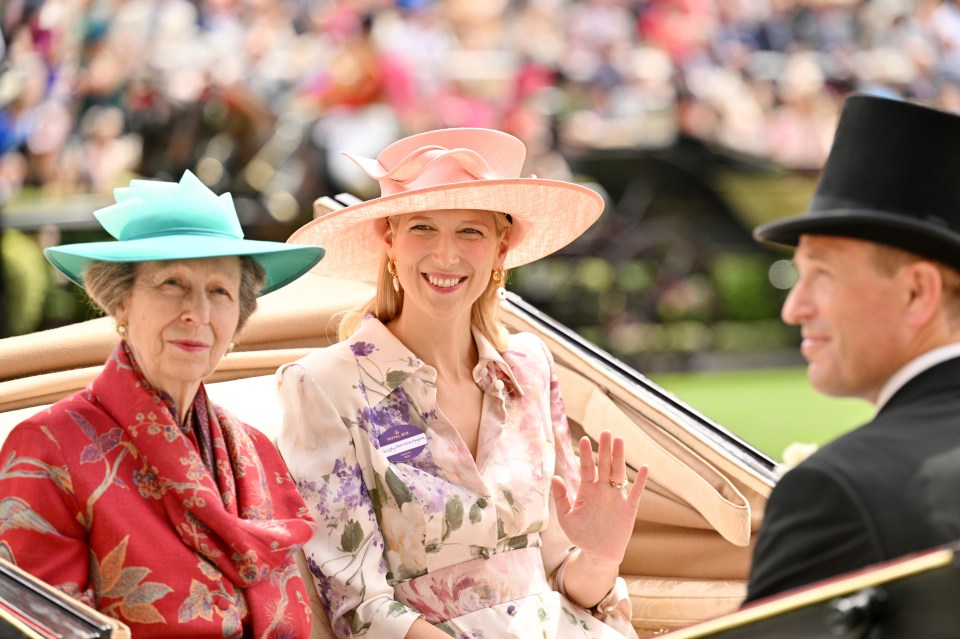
892 177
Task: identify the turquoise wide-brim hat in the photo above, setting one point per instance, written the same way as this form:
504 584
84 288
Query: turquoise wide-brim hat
154 221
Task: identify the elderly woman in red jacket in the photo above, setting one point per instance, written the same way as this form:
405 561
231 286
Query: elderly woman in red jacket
138 495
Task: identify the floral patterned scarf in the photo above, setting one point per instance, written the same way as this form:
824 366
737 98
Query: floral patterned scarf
230 517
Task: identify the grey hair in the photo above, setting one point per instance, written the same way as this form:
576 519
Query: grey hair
108 284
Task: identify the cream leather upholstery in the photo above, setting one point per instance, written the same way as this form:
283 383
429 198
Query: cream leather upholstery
690 554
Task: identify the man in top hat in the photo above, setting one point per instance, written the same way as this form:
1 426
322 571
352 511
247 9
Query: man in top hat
878 305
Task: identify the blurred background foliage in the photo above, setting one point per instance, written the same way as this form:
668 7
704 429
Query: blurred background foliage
670 278
26 280
696 120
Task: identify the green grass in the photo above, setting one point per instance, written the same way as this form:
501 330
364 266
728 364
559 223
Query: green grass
768 408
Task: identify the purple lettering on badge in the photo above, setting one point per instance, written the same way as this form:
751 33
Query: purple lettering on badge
402 443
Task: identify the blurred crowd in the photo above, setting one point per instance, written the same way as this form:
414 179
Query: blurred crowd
267 92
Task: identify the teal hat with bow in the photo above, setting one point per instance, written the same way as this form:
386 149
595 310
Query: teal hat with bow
156 221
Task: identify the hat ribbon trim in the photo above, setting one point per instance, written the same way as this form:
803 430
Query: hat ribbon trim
413 165
190 230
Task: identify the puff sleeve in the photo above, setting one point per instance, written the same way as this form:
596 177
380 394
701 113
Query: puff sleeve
345 555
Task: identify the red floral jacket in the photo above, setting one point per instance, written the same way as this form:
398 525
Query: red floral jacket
103 496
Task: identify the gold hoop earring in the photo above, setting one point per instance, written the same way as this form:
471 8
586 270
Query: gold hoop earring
122 330
499 278
392 270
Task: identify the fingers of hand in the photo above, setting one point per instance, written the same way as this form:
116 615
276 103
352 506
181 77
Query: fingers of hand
560 494
588 467
609 467
639 482
604 456
612 460
618 466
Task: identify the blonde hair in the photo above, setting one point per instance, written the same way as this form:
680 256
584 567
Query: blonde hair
107 284
387 303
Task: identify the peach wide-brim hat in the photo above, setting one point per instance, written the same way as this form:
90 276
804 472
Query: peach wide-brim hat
451 169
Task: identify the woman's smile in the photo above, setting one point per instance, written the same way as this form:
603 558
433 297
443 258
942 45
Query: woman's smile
444 283
444 259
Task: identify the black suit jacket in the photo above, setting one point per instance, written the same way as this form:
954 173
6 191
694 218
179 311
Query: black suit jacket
886 489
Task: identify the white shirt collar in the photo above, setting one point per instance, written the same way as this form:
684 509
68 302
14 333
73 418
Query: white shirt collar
914 368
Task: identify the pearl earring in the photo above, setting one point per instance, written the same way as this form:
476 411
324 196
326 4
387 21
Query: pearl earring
122 330
499 278
392 270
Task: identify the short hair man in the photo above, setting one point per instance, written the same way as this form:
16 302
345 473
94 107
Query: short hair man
878 305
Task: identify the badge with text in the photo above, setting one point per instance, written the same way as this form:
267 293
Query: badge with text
402 443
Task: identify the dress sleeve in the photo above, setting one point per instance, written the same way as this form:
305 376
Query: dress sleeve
556 545
42 527
615 609
345 555
806 539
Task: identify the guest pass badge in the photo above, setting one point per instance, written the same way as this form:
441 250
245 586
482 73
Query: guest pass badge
402 443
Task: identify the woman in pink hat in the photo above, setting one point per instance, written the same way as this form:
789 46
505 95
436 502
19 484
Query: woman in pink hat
431 446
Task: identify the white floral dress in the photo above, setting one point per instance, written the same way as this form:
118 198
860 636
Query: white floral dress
410 524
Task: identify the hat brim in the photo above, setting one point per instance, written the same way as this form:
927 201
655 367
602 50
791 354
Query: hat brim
547 215
929 239
282 263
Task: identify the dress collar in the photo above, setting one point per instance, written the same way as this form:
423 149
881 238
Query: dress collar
374 342
492 373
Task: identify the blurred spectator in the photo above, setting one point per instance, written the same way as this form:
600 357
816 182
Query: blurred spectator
258 97
798 127
268 91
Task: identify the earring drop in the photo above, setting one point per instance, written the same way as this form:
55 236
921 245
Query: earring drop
392 270
498 278
230 347
122 330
